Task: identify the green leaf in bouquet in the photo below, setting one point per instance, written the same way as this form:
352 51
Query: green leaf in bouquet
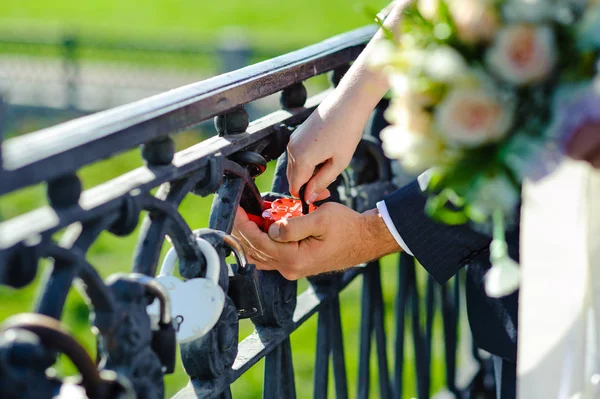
438 208
430 88
373 14
414 16
446 17
436 176
459 172
582 66
475 214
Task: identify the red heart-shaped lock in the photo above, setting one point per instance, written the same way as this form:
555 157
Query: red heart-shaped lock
282 208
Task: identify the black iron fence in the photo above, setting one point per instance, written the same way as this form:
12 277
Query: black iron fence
134 352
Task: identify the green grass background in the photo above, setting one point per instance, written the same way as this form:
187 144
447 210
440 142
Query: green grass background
269 23
279 23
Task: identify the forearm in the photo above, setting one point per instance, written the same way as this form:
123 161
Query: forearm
322 147
376 239
363 87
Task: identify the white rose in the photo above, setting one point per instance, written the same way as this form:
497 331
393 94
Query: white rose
382 54
472 116
523 54
428 8
399 84
445 64
406 112
415 152
404 91
475 20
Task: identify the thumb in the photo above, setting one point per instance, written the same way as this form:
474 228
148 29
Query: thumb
317 185
296 229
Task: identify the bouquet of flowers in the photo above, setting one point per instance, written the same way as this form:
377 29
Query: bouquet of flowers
485 94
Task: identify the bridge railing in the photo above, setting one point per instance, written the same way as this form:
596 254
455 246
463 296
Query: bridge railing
134 350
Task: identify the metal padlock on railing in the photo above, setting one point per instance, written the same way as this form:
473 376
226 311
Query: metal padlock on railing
243 284
196 303
164 341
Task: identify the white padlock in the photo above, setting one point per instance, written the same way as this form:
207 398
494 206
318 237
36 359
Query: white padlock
196 303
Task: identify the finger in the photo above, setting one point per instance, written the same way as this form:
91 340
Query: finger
298 173
297 229
584 141
260 243
324 195
254 255
319 182
246 231
259 263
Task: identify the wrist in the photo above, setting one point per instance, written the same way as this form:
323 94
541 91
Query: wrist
377 236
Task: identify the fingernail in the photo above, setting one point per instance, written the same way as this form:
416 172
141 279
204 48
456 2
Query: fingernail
274 230
312 198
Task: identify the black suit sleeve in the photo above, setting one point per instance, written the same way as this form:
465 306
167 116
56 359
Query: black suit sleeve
441 249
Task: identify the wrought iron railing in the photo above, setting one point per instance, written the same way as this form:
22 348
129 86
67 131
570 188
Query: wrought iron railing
134 352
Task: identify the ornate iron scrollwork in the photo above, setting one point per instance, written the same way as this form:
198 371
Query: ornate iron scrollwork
132 358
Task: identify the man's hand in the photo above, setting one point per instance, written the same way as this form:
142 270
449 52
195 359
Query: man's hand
585 144
331 238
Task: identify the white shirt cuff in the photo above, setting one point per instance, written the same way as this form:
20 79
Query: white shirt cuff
385 215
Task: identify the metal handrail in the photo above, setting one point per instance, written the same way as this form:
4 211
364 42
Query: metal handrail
58 150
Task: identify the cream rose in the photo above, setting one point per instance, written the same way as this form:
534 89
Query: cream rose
409 139
472 116
428 8
383 54
523 54
407 110
416 152
445 64
475 20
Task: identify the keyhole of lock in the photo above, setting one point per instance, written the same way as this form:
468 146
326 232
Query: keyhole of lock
197 303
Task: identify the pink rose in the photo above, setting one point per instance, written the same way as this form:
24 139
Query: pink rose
471 117
475 20
523 54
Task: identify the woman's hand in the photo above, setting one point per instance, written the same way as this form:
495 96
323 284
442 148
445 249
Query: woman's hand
323 145
321 148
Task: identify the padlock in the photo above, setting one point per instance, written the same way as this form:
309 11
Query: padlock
281 208
164 344
164 335
243 285
197 303
243 291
